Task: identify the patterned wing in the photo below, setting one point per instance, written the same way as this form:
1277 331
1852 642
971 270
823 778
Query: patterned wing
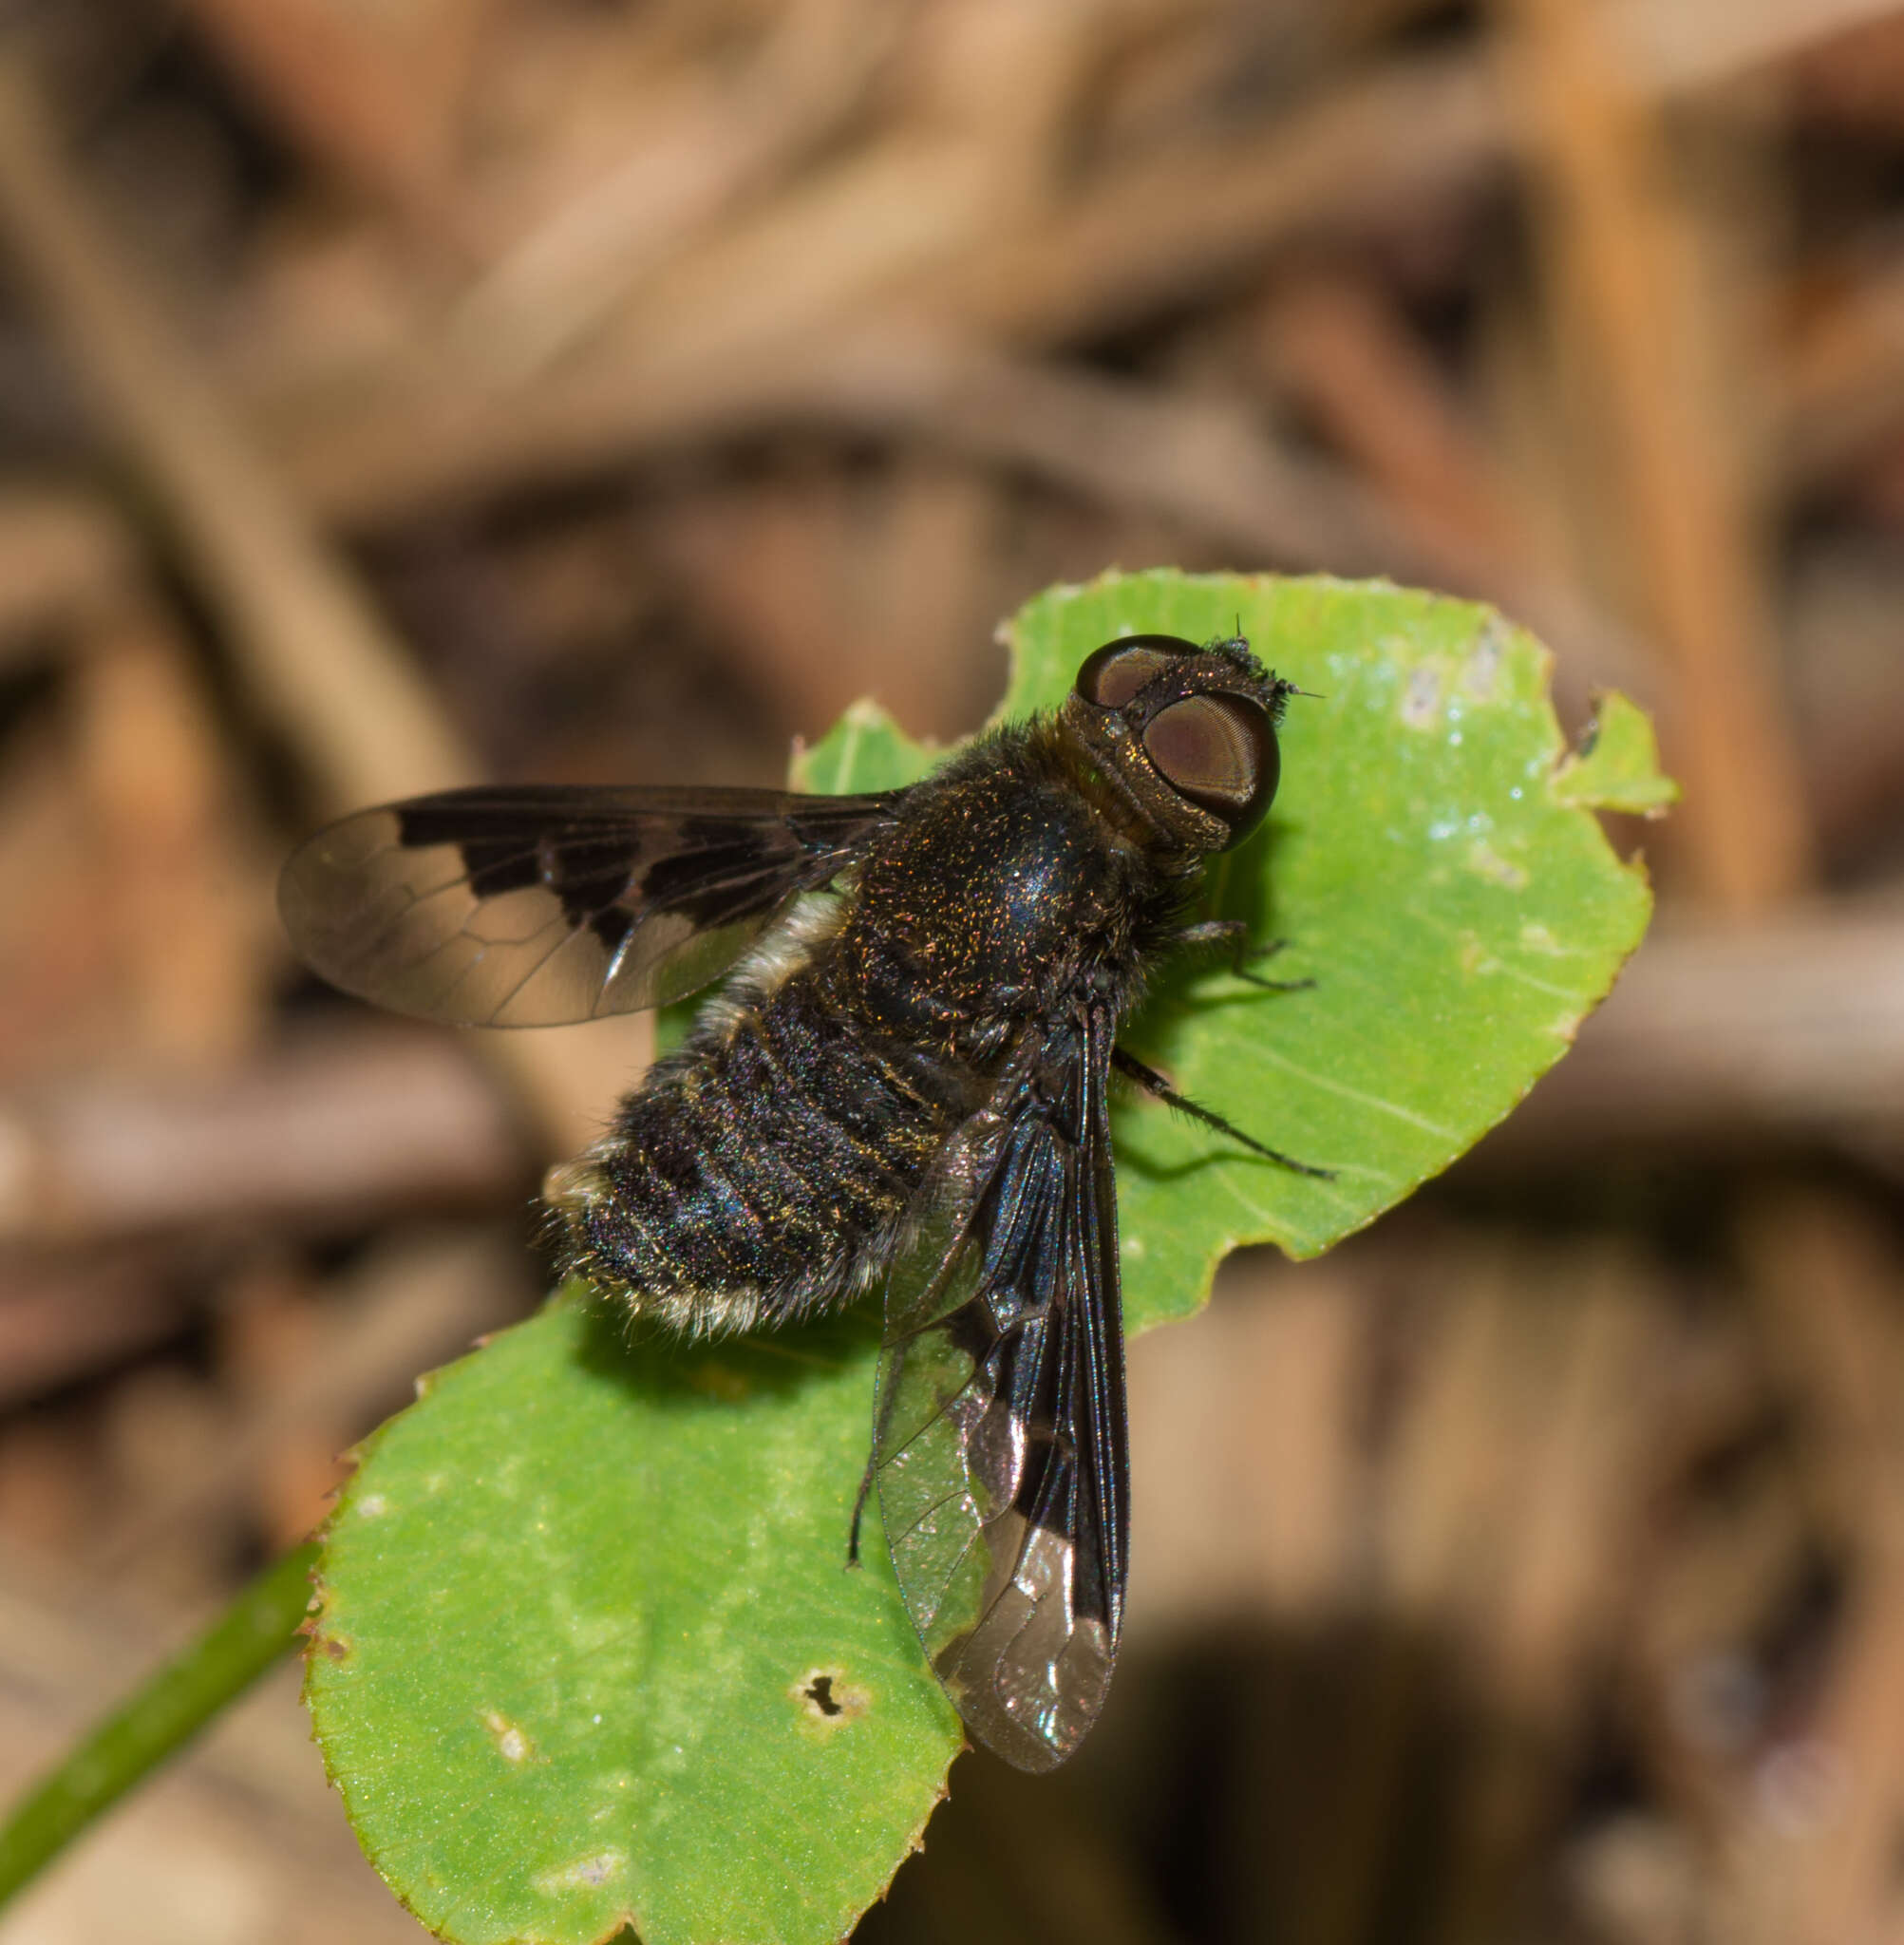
1000 1443
532 907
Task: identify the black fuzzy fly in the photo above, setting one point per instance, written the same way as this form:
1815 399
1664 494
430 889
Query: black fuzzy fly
902 1083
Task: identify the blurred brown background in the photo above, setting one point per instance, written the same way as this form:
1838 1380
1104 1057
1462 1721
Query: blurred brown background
590 390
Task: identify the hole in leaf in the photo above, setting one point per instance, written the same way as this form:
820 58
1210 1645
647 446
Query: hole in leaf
827 1699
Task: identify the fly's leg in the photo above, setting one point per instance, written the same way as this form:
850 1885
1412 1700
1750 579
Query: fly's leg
1155 1084
1235 933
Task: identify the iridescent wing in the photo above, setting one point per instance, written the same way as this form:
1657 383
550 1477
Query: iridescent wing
1000 1443
532 907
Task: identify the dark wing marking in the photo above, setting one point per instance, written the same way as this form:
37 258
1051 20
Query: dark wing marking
1000 1443
532 907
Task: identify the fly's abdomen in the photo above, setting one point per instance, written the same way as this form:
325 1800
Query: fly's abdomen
760 1174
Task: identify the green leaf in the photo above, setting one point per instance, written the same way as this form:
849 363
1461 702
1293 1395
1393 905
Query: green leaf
1616 766
864 750
588 1651
579 1598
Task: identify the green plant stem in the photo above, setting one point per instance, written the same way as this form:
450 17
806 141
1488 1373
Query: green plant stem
178 1701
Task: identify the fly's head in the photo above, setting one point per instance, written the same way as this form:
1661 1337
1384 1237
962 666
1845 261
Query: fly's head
1186 736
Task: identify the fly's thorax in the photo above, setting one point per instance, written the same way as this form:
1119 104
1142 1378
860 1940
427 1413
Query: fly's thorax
998 884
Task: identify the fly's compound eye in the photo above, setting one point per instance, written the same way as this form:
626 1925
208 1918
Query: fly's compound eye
1115 672
1219 752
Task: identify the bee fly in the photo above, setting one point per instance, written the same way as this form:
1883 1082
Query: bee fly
902 1083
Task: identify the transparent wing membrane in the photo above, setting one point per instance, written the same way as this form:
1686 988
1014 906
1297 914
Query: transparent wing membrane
534 907
1000 1441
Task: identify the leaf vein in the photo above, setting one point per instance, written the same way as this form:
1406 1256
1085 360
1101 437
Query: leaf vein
1349 1093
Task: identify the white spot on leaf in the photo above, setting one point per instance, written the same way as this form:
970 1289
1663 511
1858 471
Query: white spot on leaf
1421 704
600 1868
1485 861
1483 666
511 1744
